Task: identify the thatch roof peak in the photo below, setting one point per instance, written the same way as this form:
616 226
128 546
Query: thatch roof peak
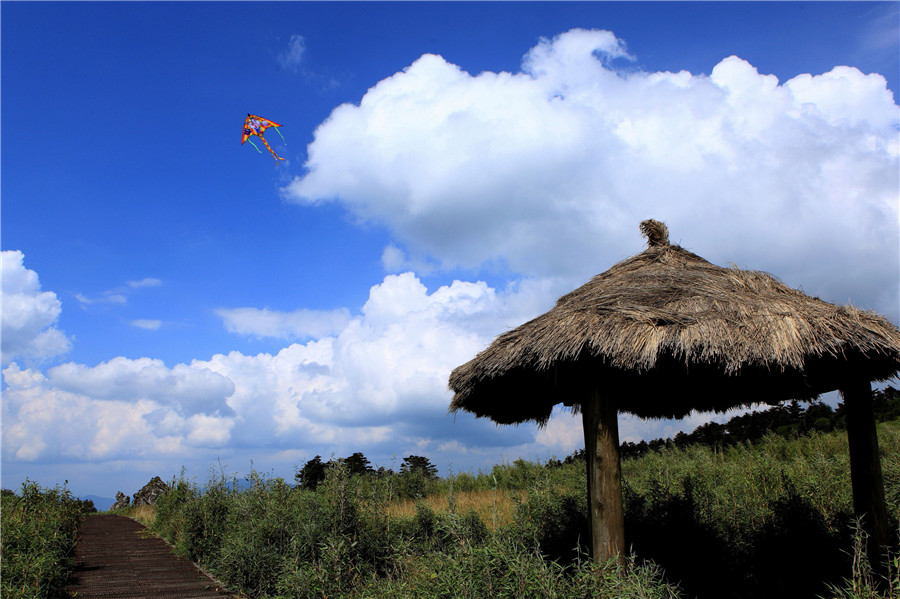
656 232
678 333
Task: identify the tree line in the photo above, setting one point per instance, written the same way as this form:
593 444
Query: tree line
790 420
413 469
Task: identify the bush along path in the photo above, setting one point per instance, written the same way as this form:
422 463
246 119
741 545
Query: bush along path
114 558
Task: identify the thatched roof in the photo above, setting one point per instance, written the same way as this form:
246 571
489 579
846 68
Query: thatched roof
666 332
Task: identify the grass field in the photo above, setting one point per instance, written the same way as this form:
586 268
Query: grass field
768 519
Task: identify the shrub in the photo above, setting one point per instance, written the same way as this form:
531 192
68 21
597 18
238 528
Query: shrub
502 566
553 520
257 536
172 522
39 530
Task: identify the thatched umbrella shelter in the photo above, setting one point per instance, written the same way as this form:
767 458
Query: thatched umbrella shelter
666 332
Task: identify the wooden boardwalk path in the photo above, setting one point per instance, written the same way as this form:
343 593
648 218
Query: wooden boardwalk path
115 560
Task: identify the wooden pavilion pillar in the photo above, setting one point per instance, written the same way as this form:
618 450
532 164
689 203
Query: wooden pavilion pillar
604 477
865 469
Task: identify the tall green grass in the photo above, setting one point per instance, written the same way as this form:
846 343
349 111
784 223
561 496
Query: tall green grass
774 518
39 530
769 519
274 540
865 584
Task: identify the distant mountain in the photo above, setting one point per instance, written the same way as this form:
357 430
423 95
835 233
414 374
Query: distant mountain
101 503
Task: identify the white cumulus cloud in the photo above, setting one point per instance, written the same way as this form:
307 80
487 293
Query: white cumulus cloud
29 315
387 366
43 421
550 170
190 389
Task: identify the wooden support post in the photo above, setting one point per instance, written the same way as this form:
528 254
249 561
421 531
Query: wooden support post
604 477
865 469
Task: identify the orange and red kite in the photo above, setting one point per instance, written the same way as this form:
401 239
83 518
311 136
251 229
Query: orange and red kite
256 125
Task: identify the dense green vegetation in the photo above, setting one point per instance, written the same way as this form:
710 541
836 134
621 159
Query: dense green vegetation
766 519
273 539
39 529
770 519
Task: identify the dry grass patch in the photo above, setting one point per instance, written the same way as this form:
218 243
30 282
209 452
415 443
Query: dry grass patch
494 508
145 514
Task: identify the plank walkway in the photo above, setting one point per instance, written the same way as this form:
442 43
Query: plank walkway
115 560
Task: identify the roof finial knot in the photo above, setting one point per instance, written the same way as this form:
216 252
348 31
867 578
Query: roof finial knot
656 232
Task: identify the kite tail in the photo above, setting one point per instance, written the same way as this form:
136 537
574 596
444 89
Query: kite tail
254 145
282 136
277 157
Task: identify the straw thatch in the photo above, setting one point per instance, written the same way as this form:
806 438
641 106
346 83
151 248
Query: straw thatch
666 332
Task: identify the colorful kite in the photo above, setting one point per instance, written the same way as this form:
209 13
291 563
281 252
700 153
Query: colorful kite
256 125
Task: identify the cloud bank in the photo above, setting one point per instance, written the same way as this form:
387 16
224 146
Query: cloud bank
549 170
379 383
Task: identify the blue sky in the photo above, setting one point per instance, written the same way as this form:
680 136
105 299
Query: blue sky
174 299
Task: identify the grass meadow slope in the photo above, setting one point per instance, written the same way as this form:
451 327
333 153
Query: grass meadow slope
723 513
765 519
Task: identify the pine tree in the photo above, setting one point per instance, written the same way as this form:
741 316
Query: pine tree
358 464
418 464
312 473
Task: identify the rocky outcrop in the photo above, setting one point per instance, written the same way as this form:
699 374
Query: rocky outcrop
150 492
122 501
